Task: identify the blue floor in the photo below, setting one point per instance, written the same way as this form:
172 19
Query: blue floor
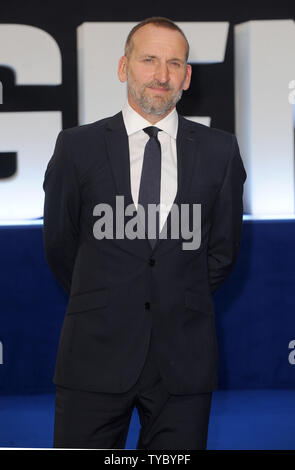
240 419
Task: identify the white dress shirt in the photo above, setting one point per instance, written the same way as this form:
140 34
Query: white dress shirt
134 124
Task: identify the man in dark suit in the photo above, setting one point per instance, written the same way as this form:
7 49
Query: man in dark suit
139 328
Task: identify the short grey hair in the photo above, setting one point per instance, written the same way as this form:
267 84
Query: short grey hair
157 21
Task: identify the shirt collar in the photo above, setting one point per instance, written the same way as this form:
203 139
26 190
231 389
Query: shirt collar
134 122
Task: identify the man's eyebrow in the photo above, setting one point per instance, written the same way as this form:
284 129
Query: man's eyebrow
156 57
148 55
177 59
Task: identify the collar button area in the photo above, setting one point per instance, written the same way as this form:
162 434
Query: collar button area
152 261
147 305
152 131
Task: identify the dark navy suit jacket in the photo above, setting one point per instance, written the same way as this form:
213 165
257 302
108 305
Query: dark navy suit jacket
121 290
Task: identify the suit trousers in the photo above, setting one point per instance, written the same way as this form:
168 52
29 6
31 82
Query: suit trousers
96 420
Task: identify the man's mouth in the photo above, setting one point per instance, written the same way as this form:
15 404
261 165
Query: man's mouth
159 89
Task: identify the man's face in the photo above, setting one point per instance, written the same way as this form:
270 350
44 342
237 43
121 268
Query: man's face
156 71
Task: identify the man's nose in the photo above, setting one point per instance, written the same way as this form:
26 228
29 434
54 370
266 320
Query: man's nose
162 73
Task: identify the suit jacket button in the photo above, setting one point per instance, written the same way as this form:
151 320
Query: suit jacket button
152 262
147 305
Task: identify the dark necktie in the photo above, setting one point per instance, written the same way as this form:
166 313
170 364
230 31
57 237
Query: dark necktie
150 183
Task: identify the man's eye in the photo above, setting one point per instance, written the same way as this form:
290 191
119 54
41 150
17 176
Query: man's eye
148 59
176 64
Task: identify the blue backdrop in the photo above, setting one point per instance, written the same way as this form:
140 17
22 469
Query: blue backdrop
255 311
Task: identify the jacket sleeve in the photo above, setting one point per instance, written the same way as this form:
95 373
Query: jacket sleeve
227 218
61 214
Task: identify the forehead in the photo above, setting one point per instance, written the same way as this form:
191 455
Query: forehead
158 39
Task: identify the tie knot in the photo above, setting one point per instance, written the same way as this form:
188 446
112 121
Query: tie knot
152 131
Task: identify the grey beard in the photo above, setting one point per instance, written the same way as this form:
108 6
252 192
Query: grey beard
148 107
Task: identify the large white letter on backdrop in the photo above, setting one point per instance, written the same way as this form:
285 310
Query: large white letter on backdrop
100 45
264 66
32 135
35 58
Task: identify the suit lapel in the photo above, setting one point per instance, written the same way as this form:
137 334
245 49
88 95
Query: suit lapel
186 153
118 153
186 149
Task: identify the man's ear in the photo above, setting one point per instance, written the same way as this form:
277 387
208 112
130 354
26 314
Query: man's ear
122 69
188 77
